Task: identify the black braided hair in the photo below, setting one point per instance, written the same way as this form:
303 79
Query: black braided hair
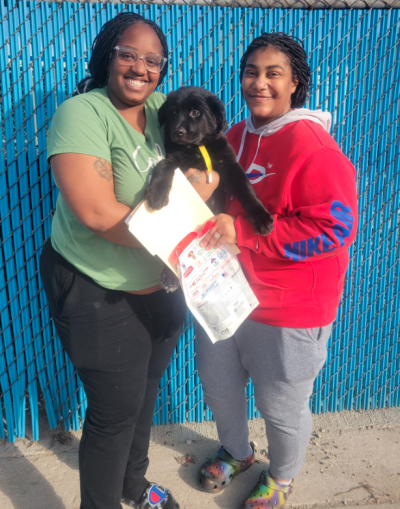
293 49
104 43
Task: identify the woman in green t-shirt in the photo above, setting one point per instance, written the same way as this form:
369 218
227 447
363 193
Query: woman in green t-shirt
117 325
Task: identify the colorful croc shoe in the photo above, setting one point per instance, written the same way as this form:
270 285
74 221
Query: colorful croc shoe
155 497
218 472
267 494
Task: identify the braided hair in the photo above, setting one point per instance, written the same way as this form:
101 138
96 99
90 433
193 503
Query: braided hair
294 51
104 43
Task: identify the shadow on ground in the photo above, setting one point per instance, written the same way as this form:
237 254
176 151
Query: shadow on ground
190 450
30 472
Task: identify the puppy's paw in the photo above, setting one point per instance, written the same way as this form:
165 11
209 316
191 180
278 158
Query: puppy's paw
262 221
157 196
169 281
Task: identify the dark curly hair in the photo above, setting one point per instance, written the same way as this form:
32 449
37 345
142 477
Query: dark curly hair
104 44
294 50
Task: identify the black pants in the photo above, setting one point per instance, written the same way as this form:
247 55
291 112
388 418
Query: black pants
121 345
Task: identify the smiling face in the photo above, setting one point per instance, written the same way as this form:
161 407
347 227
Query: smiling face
132 85
267 85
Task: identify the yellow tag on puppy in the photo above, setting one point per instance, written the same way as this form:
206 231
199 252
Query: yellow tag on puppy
207 160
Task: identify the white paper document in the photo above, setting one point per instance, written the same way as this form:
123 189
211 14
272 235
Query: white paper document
161 230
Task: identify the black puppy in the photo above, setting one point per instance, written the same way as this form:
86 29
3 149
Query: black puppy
195 117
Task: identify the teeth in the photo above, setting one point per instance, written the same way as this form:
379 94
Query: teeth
136 83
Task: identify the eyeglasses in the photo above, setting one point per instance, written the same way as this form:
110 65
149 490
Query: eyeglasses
129 57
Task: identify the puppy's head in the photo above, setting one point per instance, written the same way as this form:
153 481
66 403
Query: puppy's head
191 115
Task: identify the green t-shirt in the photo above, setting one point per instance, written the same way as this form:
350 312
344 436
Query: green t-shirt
90 124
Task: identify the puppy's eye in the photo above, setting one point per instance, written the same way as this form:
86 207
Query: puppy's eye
195 113
175 114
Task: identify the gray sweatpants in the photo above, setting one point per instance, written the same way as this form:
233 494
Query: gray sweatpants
283 364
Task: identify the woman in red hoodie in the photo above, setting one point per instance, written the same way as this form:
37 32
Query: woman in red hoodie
297 272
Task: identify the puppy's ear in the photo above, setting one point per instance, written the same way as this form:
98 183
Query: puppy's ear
162 113
217 108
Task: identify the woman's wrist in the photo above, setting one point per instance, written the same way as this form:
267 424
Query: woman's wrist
202 183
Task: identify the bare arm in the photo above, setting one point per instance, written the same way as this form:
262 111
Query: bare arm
86 183
199 180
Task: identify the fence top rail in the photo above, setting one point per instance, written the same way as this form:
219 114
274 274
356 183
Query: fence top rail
277 4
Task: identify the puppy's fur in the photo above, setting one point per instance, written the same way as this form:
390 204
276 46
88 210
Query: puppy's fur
193 116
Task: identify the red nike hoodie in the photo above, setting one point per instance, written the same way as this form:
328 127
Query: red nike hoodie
300 174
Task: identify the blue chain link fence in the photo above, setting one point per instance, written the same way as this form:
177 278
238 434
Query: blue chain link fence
354 54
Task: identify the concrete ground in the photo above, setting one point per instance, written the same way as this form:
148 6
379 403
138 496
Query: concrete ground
353 460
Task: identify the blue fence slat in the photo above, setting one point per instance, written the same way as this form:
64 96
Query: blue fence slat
2 431
79 29
323 65
4 316
226 78
256 22
236 104
33 242
4 381
393 77
4 375
42 342
36 357
175 46
199 395
354 59
45 112
350 88
251 405
172 390
195 47
90 31
30 294
165 26
315 31
181 378
342 41
333 60
11 219
216 81
206 46
17 179
381 220
377 32
190 369
186 47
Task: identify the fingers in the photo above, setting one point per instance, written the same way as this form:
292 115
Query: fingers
212 239
221 232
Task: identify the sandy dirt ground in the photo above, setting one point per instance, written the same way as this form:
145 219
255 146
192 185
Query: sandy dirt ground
353 461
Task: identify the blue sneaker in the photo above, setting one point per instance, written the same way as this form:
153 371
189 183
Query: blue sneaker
155 497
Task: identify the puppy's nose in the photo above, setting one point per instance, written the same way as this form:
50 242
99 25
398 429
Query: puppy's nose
179 131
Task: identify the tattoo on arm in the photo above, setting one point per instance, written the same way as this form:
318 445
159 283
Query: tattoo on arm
195 177
103 168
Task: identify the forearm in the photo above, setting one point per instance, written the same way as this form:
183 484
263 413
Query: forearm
110 225
299 238
201 182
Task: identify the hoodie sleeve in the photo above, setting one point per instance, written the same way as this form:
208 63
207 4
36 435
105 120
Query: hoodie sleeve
321 219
